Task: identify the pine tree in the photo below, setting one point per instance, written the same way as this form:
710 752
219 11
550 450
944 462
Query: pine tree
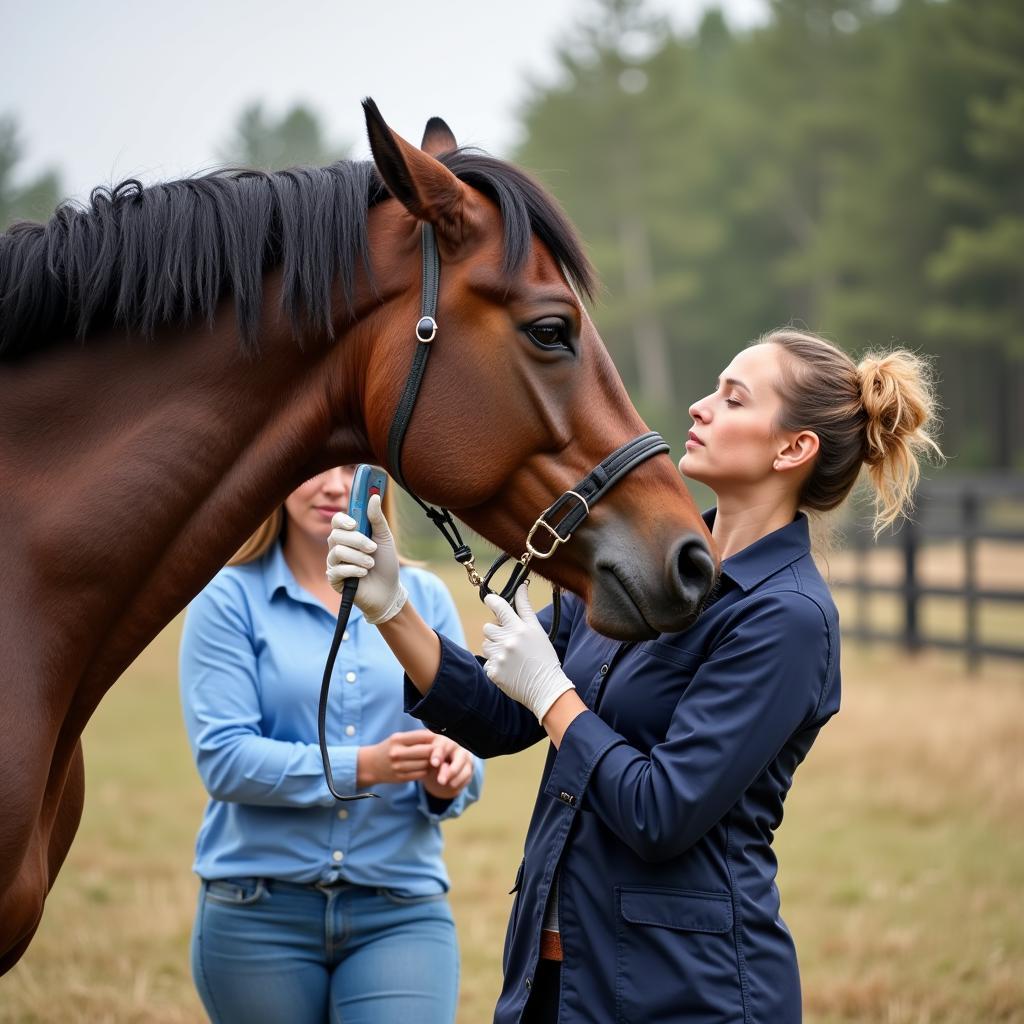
978 272
33 201
296 138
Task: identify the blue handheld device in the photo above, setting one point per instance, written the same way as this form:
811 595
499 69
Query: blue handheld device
368 480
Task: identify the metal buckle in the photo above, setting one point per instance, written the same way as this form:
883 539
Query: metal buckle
558 538
426 325
534 553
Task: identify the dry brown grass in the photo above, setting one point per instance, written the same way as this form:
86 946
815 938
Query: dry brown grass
902 854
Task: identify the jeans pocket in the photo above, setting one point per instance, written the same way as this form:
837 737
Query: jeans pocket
401 900
235 892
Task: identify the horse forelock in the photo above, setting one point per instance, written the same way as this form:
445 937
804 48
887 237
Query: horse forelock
142 257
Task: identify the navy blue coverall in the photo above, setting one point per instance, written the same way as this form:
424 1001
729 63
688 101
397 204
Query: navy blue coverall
658 809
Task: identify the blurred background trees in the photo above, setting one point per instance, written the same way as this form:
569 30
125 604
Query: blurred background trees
32 200
852 166
271 144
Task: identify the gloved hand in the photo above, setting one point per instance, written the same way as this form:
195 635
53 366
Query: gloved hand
381 594
520 658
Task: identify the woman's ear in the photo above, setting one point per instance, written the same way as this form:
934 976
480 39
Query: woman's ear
799 450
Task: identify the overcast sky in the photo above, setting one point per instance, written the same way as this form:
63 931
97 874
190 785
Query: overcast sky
103 90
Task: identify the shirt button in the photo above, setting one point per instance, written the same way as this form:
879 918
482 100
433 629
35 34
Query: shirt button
344 636
337 856
342 814
350 730
604 670
350 677
529 984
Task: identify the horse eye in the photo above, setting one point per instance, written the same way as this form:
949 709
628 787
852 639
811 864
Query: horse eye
551 333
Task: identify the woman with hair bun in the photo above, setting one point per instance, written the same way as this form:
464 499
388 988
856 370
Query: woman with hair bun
647 890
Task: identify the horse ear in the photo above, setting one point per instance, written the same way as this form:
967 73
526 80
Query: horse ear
423 185
438 138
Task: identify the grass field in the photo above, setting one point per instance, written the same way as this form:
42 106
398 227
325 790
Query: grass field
902 856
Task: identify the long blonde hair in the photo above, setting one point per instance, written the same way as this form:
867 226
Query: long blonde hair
273 528
879 413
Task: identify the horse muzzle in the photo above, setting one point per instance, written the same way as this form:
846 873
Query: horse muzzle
633 598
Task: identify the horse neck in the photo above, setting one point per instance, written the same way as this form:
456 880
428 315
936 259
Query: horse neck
135 469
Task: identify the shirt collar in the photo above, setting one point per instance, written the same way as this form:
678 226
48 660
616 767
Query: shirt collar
277 577
766 556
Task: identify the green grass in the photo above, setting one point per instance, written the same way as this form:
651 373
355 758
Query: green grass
902 856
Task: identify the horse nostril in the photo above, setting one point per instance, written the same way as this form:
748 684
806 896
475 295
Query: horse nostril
695 570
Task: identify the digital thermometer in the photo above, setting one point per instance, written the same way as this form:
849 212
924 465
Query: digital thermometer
368 480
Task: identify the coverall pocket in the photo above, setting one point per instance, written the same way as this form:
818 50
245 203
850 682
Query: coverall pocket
675 958
673 654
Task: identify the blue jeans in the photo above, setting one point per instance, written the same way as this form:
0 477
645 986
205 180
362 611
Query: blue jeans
267 952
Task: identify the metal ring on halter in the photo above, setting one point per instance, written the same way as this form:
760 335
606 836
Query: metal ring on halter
576 494
426 325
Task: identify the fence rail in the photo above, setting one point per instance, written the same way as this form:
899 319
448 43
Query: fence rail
949 509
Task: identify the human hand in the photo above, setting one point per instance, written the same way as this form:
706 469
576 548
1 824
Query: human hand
520 658
451 768
402 757
374 562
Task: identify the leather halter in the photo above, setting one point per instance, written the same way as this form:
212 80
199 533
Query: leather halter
553 527
558 521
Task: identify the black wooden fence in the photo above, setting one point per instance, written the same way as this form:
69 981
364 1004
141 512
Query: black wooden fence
965 510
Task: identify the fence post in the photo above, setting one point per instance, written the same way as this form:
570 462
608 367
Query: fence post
970 534
911 630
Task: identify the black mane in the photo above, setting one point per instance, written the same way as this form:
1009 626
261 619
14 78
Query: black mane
142 257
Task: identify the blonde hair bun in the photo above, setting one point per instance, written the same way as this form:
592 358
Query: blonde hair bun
898 395
876 416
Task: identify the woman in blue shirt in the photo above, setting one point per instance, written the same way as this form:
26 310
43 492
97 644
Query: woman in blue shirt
311 910
647 891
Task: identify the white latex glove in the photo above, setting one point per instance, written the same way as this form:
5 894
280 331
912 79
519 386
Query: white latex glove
520 658
381 594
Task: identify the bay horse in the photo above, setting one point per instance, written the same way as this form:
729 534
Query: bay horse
175 359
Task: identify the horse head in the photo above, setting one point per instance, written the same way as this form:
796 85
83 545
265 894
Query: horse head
520 399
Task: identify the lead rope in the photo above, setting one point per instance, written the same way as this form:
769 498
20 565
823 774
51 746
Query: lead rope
348 594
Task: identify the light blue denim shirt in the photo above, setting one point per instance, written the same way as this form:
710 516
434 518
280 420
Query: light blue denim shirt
252 657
